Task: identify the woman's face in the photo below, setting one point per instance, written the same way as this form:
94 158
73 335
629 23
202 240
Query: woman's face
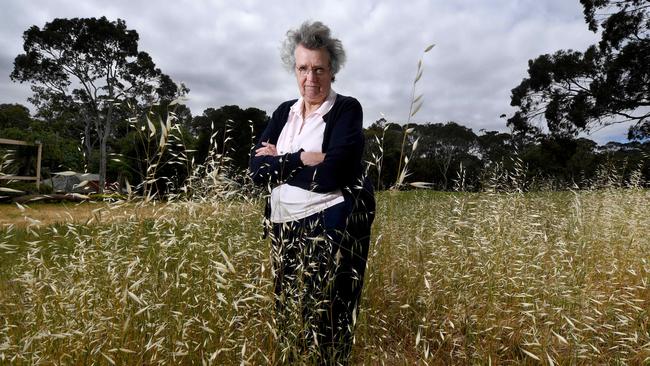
313 74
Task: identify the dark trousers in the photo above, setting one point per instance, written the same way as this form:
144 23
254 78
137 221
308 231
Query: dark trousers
319 264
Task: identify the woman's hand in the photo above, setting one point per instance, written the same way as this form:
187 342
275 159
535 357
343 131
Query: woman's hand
266 149
311 158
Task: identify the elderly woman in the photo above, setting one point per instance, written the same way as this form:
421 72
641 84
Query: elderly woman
321 205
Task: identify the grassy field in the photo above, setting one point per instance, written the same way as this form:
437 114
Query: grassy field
453 278
44 214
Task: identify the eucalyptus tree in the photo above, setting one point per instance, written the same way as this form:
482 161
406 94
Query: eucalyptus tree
92 67
608 83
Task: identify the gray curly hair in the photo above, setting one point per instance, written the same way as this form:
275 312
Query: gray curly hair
313 36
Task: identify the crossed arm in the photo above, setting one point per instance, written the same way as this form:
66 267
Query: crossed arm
337 166
308 158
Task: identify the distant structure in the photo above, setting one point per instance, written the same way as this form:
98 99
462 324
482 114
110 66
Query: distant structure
37 178
74 183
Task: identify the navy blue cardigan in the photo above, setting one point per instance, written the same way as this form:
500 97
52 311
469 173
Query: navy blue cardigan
343 143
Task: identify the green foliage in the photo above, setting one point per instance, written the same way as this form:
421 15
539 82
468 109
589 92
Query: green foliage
608 83
383 150
495 146
230 130
14 116
60 151
99 59
446 148
451 156
155 151
446 154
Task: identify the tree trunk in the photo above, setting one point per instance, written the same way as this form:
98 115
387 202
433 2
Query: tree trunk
88 143
102 163
444 169
104 134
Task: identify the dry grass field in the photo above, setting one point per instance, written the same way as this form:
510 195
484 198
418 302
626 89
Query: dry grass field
453 278
44 214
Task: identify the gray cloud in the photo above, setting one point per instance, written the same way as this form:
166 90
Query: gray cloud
228 52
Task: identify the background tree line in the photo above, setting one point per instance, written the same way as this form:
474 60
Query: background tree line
451 156
446 153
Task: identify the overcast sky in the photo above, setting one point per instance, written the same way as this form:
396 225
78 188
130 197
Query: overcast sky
227 52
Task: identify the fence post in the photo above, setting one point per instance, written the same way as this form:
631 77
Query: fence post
38 165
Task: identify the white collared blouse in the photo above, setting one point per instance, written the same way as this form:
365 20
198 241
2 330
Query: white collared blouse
289 203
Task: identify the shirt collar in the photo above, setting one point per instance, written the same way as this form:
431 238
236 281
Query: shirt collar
296 108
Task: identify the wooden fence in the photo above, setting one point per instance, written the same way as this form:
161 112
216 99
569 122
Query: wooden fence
37 178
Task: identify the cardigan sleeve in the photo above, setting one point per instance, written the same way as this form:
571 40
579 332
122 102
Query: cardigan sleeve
274 170
343 153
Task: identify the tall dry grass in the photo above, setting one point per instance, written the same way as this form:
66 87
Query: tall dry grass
551 278
453 278
44 214
182 288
